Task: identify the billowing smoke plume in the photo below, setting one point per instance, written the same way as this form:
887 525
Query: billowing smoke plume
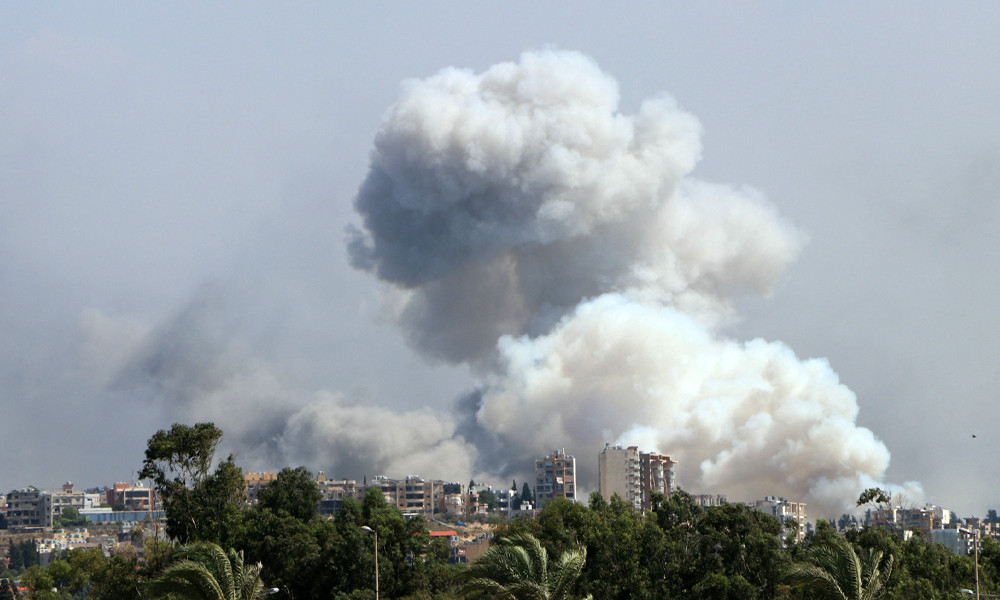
206 365
561 248
527 228
502 200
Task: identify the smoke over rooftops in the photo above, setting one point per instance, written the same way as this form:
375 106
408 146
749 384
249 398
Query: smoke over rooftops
562 249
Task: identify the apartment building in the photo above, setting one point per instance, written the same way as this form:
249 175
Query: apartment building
28 509
634 476
707 500
126 496
33 508
411 495
790 514
656 474
619 474
924 518
555 477
334 492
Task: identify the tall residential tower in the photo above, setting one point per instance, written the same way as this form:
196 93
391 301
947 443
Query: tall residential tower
634 475
555 477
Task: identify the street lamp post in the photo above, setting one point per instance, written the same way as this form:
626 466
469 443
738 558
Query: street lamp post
370 530
976 548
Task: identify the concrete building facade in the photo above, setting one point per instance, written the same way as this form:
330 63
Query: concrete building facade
555 477
634 476
29 509
619 474
790 514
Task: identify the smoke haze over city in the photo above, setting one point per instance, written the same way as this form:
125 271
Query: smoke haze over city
759 244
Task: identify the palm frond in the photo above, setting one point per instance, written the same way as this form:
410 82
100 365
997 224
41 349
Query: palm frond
518 568
203 571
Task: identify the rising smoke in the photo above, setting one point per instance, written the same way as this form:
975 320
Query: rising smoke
562 249
526 228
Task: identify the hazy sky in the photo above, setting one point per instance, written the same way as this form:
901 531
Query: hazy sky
176 183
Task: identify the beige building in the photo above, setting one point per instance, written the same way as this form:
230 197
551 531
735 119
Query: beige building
255 481
555 477
634 476
619 474
412 495
656 474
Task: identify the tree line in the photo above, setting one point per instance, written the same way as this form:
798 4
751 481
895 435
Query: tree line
222 547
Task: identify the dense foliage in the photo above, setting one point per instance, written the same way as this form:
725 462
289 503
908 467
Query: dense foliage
677 551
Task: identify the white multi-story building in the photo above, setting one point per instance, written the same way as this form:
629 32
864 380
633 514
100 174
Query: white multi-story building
634 476
788 513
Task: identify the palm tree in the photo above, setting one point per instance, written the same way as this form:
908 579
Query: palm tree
203 571
836 572
518 568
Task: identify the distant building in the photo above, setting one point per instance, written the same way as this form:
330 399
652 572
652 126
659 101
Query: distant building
555 477
334 491
925 518
790 514
126 496
451 536
29 509
634 476
707 500
957 541
255 481
411 495
656 475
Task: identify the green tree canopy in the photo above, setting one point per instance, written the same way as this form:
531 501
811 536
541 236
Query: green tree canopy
200 504
181 456
293 493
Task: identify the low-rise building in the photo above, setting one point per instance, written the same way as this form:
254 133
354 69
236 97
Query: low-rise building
707 500
127 496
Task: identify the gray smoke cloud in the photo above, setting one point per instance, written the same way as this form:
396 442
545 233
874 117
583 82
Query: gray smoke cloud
205 364
530 229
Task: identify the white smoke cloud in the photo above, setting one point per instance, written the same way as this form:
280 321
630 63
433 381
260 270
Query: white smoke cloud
525 227
741 418
562 248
